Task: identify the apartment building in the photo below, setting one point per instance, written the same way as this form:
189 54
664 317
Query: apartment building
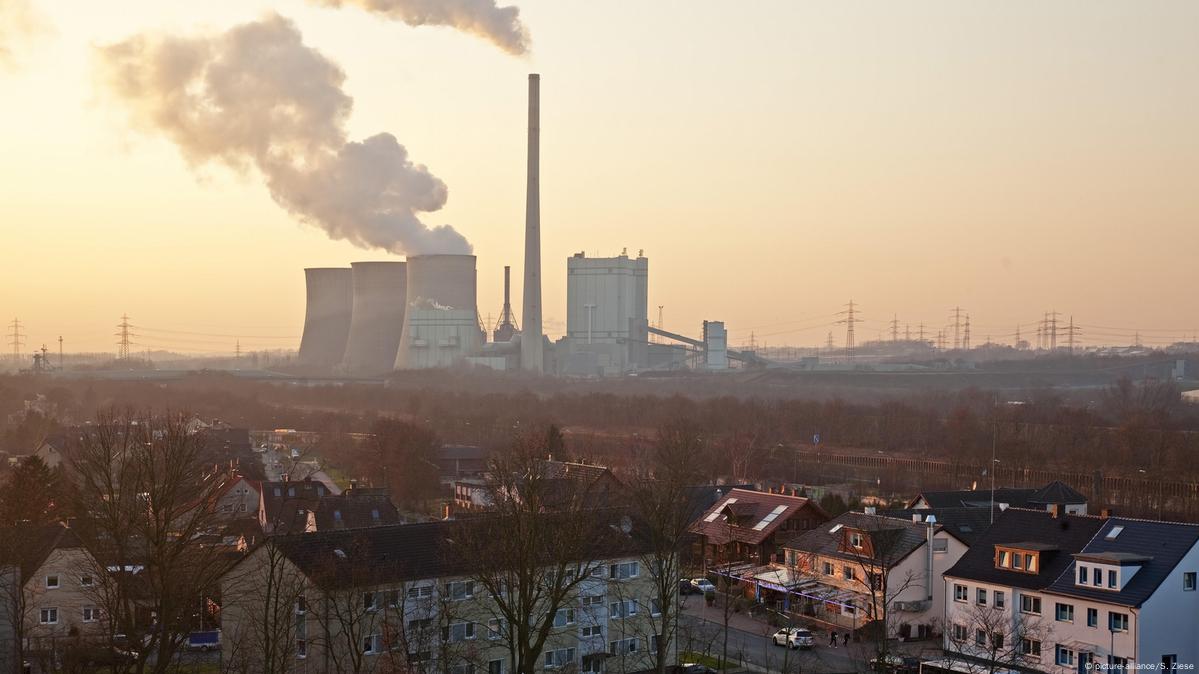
401 598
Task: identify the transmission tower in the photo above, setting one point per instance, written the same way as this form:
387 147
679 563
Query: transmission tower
1017 344
237 350
957 328
895 327
907 332
922 333
1052 320
124 336
1072 333
851 319
16 339
966 335
829 343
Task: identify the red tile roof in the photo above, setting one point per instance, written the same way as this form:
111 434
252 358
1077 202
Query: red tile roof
751 509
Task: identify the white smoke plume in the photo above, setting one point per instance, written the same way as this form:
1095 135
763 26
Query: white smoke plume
18 25
500 25
256 97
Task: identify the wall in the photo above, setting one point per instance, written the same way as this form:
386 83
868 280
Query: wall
1169 620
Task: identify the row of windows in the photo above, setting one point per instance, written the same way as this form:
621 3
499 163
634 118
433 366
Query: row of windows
1096 577
847 572
49 616
54 581
1031 604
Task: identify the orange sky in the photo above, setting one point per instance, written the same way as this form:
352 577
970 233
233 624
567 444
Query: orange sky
774 159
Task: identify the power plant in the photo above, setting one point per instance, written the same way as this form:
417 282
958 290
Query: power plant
377 317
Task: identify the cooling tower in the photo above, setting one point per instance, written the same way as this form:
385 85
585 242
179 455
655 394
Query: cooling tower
378 318
441 320
327 317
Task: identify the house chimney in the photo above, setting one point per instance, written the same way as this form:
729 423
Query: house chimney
1106 513
447 511
1054 510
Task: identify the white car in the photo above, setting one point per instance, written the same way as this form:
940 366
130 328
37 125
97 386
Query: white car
703 585
793 637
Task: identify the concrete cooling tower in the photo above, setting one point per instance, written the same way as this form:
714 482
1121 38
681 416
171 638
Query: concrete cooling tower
378 317
327 317
441 321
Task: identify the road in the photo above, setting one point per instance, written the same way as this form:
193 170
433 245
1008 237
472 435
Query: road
702 629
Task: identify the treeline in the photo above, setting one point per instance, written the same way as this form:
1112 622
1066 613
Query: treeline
1125 428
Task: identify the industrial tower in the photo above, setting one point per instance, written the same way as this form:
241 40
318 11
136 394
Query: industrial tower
532 357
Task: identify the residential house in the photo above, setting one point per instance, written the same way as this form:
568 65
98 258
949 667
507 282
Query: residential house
400 598
747 526
456 462
1055 493
52 451
861 568
239 497
49 595
310 505
998 605
965 524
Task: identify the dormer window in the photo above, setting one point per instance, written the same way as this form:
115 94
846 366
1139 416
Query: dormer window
1014 559
855 539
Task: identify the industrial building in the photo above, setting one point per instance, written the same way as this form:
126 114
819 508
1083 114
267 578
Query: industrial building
441 322
607 303
327 317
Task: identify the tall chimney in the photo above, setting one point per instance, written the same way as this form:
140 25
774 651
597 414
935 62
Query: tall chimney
531 356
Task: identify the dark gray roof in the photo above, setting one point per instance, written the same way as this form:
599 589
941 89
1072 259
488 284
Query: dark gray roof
1056 492
1019 526
900 537
27 545
966 524
975 498
1164 543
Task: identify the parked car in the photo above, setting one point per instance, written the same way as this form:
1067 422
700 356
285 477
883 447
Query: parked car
207 640
896 664
794 637
686 588
703 585
692 668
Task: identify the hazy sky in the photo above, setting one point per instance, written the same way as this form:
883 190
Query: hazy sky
774 159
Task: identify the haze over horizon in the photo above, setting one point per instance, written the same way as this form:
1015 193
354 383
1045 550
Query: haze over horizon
774 161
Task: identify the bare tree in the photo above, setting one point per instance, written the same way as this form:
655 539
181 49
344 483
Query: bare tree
532 552
146 510
271 607
989 640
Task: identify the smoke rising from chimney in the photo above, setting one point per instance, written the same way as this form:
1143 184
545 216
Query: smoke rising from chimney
18 23
257 97
500 25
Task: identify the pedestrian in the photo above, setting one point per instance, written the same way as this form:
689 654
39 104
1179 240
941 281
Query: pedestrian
832 638
845 640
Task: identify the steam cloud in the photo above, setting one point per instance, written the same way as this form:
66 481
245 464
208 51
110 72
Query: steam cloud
257 97
17 23
500 25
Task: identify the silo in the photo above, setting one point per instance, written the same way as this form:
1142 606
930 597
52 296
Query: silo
327 316
441 320
378 317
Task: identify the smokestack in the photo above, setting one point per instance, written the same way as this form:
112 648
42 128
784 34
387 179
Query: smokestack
506 328
531 356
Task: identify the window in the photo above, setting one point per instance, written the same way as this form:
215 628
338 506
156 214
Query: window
564 617
301 606
1188 581
368 601
1000 599
655 607
418 625
494 628
980 637
495 667
242 507
51 582
49 616
940 545
1117 662
997 641
1097 577
622 609
1111 578
422 592
90 614
980 597
86 581
391 598
1065 613
1016 560
1030 604
623 570
591 631
1030 647
1092 617
1117 622
372 644
460 589
959 592
847 572
593 600
559 658
301 648
461 669
654 640
855 539
828 568
594 663
959 632
1169 662
1115 531
1082 575
375 514
622 646
1065 656
460 631
1004 559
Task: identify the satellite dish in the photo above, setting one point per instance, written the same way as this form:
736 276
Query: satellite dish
626 524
